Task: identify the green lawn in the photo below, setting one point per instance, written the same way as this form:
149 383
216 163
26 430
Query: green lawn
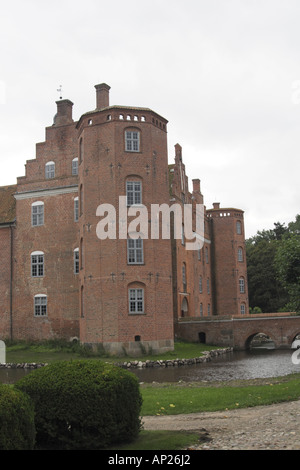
50 351
166 399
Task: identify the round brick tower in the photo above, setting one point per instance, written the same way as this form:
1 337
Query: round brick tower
228 260
125 277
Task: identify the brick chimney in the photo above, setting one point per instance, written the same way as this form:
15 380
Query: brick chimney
64 113
196 186
102 95
216 205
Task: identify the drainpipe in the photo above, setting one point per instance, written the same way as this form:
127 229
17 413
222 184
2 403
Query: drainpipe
11 283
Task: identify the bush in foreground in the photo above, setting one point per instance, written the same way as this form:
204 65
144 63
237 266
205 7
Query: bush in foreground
17 429
83 404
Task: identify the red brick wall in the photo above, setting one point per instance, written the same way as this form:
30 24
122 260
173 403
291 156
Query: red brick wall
5 284
106 276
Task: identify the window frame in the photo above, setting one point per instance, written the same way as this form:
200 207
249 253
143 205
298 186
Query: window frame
134 193
242 285
76 260
136 300
132 144
75 165
50 170
135 254
37 216
40 305
76 209
37 264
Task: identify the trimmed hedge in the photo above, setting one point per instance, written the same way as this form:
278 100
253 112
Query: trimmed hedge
17 428
83 404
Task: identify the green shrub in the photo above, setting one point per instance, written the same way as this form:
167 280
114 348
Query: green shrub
83 404
17 429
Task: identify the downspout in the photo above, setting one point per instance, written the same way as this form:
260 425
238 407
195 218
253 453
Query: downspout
11 284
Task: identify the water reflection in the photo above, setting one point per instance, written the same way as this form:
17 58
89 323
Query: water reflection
237 365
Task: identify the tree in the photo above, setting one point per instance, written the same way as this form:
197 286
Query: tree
287 263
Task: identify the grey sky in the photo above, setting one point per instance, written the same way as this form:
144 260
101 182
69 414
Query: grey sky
225 73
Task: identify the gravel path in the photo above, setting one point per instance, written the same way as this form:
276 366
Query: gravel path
273 427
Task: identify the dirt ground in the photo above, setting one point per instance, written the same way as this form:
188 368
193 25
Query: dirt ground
273 427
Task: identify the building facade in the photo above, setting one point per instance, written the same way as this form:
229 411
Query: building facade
81 254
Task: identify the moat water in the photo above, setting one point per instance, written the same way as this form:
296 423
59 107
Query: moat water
237 365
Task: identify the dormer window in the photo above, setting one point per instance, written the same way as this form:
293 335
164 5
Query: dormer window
132 141
50 170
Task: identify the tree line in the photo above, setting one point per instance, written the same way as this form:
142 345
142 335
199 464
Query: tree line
273 265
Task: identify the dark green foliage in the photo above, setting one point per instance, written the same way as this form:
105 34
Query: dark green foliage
84 404
17 429
273 268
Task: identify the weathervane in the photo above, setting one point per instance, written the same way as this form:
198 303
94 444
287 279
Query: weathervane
60 91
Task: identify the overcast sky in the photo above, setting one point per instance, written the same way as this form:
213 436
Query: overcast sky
224 73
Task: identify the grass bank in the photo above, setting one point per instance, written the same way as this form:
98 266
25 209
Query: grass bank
51 351
170 399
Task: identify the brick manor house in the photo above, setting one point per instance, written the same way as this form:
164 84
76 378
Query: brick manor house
58 279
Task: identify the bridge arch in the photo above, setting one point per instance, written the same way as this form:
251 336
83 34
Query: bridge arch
249 338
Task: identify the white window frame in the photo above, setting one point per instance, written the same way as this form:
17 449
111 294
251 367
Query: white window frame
75 166
135 251
240 254
242 285
76 261
37 264
50 170
133 193
136 300
37 214
40 305
132 141
243 309
76 209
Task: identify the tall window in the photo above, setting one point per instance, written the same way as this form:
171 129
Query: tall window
201 310
76 261
75 166
80 150
135 251
200 285
37 264
132 141
37 213
242 285
133 192
50 170
136 300
243 309
184 277
238 227
240 254
208 286
76 209
40 305
206 255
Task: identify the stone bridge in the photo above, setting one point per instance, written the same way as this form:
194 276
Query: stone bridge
238 331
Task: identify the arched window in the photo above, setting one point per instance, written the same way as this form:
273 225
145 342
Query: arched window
81 151
240 254
136 299
76 260
37 213
37 264
184 283
238 227
75 166
40 305
76 209
50 170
